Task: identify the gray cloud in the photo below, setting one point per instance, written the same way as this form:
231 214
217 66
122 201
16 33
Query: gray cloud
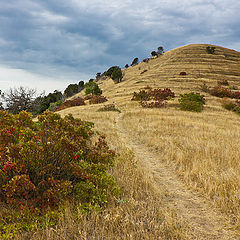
72 40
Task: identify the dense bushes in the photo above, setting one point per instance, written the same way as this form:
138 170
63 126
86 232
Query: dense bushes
92 88
42 103
109 72
71 103
54 106
157 95
46 162
117 75
73 89
231 106
191 102
95 99
222 92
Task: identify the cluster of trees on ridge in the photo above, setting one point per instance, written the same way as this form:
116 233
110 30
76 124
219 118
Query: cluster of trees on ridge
22 98
26 99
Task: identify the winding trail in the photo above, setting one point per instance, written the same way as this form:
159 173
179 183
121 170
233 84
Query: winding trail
205 221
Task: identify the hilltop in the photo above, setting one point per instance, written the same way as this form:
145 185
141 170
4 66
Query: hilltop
180 150
179 171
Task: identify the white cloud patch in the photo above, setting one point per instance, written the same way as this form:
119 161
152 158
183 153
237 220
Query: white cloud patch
10 77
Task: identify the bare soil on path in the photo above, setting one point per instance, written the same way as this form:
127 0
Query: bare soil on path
205 221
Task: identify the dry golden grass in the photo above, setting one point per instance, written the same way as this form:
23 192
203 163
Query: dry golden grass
201 148
138 214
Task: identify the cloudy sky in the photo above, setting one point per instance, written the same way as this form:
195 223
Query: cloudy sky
47 44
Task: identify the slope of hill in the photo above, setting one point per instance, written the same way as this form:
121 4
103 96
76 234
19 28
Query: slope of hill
192 156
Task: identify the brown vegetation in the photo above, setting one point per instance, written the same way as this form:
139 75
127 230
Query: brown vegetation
199 150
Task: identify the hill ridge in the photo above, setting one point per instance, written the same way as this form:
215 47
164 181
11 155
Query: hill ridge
202 149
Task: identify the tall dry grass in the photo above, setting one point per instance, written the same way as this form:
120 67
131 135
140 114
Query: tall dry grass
137 214
203 147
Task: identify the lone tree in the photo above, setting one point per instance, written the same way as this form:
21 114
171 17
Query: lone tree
210 50
134 62
19 99
92 88
126 66
154 53
160 50
117 75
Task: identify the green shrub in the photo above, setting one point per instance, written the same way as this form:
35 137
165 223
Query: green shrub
81 85
210 50
92 88
109 107
42 103
231 106
71 90
54 159
191 102
54 106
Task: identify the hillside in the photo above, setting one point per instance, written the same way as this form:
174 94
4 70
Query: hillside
191 157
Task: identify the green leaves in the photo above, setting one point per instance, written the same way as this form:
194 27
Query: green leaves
92 88
191 102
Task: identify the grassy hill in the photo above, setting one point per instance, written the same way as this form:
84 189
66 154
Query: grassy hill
202 148
184 163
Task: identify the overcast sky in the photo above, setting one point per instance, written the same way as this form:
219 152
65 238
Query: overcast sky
47 44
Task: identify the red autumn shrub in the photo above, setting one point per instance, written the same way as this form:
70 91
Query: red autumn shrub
222 92
46 162
87 97
71 103
161 94
155 104
159 97
95 99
